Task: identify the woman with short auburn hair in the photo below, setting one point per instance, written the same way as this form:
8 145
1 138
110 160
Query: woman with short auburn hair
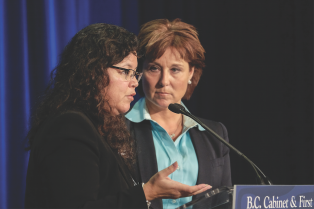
158 35
172 59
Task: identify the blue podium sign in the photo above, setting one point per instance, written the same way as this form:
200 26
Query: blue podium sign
274 196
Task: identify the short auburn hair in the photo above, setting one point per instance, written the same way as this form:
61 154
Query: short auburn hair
157 35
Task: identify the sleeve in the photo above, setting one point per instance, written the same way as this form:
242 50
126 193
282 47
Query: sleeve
226 175
70 168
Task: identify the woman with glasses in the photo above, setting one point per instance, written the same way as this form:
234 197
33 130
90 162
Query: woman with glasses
172 66
82 155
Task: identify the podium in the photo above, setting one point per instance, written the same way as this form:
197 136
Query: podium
220 198
255 197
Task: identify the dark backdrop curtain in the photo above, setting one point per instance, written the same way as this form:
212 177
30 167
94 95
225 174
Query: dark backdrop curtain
257 80
32 35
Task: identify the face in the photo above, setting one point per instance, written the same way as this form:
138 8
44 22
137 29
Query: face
165 80
120 92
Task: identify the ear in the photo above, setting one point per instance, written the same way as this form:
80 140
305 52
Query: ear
191 73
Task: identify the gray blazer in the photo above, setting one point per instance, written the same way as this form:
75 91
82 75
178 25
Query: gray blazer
213 156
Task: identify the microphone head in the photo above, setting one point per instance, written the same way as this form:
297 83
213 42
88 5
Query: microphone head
176 108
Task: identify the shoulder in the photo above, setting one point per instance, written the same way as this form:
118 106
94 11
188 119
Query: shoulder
71 121
218 127
69 125
212 124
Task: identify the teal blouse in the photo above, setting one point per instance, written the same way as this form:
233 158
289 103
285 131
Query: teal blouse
168 151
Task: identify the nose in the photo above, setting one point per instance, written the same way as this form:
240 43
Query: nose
164 78
134 82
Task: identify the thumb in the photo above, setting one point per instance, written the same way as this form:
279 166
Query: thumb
169 170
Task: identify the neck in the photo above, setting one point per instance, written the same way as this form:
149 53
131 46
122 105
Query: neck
159 114
170 121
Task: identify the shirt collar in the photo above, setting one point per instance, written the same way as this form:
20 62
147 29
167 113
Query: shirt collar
139 112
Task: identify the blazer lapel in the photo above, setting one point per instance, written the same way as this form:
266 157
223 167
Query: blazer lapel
147 161
204 153
205 146
122 167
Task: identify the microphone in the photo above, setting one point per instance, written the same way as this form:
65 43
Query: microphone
179 109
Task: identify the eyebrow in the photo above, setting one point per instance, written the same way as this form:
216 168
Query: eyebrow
128 66
177 65
153 62
173 65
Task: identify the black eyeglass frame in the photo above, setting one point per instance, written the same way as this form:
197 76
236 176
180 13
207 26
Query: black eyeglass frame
128 70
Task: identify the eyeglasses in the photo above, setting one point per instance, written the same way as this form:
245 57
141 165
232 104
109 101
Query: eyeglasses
129 73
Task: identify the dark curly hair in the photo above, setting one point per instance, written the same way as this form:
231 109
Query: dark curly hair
79 81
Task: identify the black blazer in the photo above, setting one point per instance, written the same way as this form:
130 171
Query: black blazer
213 156
72 166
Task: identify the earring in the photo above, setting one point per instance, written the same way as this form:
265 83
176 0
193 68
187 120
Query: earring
189 82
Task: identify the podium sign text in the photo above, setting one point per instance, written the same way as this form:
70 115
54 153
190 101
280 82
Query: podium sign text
270 197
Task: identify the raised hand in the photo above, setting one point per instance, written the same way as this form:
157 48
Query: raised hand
160 186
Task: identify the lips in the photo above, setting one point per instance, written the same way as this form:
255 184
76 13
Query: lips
131 96
163 93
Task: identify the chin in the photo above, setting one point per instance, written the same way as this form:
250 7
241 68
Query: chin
124 109
163 104
160 103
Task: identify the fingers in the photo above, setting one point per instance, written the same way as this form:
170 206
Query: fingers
161 186
167 171
201 189
186 190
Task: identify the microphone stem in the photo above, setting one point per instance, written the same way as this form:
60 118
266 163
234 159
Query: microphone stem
256 169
